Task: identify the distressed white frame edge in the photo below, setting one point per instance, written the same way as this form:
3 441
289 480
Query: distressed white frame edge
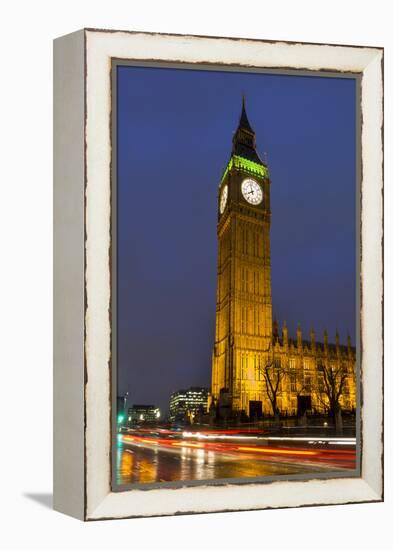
101 46
69 274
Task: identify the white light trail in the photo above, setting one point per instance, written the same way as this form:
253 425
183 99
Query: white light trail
311 440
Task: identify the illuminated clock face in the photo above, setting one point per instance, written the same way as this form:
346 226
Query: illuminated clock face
223 199
252 191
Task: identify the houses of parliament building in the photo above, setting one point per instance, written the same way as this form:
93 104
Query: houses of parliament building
247 340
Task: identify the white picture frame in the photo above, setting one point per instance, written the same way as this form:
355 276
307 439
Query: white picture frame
82 269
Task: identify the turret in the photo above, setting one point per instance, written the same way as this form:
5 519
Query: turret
349 345
299 336
285 334
275 330
312 337
337 344
325 340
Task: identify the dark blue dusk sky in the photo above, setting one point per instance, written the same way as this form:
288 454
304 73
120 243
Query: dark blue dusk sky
175 128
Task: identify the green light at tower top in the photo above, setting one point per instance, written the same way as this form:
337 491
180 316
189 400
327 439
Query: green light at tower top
242 163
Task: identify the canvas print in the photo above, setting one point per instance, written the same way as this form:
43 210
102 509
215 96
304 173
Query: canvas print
235 278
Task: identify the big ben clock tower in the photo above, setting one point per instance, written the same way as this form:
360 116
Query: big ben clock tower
244 301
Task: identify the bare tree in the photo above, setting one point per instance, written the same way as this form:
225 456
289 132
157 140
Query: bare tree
273 375
330 391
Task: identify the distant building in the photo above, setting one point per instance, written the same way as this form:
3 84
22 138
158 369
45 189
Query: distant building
140 414
185 405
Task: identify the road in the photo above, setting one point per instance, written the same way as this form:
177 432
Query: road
148 456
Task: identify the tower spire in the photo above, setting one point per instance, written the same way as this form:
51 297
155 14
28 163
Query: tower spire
244 122
244 142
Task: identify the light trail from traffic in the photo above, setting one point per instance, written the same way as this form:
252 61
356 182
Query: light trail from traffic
159 454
